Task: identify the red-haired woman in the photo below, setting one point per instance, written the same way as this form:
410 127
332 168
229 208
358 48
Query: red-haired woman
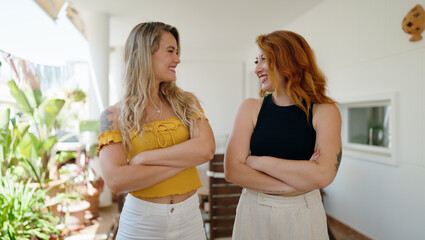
285 146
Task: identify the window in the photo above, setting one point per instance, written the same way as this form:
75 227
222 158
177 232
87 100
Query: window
369 127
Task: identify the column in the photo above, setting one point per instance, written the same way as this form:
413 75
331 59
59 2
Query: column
98 40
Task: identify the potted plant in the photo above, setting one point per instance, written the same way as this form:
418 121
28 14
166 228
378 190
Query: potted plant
29 140
11 135
35 145
24 213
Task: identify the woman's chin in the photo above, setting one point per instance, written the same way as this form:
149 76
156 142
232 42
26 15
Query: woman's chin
267 89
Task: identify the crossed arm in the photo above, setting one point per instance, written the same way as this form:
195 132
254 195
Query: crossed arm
282 176
151 167
197 150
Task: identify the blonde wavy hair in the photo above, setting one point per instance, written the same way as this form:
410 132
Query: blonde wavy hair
139 82
290 55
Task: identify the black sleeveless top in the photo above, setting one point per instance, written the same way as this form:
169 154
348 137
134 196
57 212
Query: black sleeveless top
283 132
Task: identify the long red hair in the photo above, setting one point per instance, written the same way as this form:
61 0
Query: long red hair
289 54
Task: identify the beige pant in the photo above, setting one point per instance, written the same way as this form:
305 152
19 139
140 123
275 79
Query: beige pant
267 217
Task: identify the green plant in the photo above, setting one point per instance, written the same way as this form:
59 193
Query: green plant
74 104
65 156
41 113
11 136
24 213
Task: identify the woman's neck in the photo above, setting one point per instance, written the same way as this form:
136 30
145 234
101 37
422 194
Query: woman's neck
155 94
280 98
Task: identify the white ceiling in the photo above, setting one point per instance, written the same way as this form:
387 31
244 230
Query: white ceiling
220 29
27 32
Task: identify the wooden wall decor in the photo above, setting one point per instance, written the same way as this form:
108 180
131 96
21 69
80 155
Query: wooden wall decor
414 23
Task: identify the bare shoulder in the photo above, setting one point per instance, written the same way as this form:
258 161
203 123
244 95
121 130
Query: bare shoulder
109 119
249 109
326 108
252 103
328 112
251 106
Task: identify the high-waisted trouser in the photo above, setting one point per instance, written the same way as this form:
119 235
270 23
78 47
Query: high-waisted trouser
145 220
269 217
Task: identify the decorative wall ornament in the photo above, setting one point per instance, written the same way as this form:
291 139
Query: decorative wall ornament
414 23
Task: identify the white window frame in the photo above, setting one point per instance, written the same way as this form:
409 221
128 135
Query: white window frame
384 155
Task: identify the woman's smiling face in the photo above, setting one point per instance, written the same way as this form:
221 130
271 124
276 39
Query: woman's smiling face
166 59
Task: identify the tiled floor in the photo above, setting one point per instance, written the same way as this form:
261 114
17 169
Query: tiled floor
99 228
340 232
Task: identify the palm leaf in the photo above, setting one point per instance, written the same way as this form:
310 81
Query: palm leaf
48 111
34 96
20 97
4 119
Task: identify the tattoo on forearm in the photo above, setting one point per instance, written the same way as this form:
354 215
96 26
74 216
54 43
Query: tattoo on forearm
105 124
338 160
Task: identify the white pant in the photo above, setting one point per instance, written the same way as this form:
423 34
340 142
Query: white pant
268 217
145 220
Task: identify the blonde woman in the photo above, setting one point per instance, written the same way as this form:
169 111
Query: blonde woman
285 146
152 140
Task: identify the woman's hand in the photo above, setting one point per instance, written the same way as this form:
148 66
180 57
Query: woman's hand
118 175
318 171
137 159
315 156
238 164
199 149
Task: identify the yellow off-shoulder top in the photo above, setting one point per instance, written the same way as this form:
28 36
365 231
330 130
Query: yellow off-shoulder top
158 134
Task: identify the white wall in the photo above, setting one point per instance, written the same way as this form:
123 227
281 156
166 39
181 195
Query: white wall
116 74
219 87
362 49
